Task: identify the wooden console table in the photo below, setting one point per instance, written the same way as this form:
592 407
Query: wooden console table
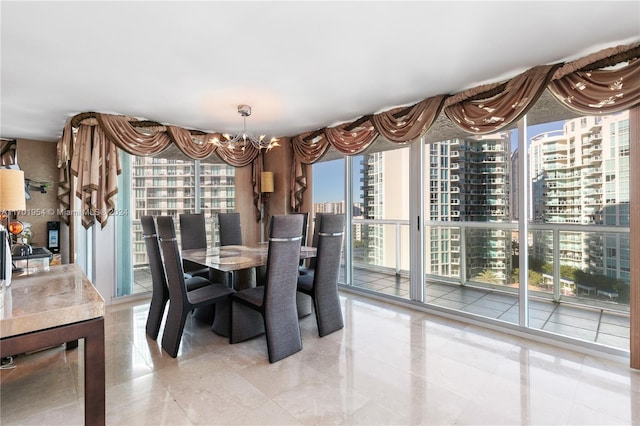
50 308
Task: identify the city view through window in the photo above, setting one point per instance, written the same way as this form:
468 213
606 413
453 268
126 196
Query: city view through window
578 175
168 187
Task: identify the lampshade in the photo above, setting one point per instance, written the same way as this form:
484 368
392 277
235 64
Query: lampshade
12 197
266 181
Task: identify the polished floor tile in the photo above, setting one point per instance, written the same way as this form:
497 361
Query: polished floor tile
389 365
585 322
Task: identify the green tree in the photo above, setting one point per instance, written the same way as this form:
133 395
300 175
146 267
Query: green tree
535 278
488 276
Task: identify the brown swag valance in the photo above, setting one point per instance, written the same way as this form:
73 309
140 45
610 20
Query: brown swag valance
580 85
588 85
603 91
91 154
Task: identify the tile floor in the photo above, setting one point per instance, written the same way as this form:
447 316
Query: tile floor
389 365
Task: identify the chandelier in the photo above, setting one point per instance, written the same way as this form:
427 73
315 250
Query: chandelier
242 139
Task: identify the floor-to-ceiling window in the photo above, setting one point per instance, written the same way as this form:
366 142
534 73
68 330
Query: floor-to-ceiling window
329 193
381 262
577 209
159 186
576 249
579 250
379 190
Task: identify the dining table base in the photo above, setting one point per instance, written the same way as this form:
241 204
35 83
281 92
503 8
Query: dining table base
305 305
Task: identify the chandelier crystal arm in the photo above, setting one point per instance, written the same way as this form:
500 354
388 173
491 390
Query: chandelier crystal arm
241 139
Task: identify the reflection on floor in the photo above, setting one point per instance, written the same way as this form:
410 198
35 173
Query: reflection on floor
588 323
389 365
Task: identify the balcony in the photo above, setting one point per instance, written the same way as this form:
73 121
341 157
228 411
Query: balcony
593 324
480 283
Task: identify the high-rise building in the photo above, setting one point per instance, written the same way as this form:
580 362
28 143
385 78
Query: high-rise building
334 207
166 187
467 180
385 191
580 175
515 186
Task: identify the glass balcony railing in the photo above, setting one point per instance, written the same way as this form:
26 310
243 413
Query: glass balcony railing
564 264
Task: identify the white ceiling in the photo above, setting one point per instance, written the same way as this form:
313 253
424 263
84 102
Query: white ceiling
300 65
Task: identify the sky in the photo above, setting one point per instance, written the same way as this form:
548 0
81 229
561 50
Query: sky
328 176
328 181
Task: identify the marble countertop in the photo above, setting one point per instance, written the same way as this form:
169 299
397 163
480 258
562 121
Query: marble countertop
44 299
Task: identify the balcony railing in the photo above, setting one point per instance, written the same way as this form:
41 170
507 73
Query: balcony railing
472 245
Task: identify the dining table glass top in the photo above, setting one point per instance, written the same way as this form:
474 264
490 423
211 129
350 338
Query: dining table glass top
233 258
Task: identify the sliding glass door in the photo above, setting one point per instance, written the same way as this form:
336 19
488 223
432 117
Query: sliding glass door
568 181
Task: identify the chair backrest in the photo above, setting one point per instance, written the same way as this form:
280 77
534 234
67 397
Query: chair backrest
314 239
316 229
158 279
282 261
330 238
230 229
193 231
305 226
172 259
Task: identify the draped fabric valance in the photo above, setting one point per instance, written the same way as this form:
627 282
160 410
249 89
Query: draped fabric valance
96 163
587 85
91 154
581 85
600 91
477 114
406 124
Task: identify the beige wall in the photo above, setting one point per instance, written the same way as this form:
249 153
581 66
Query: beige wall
38 160
278 161
244 205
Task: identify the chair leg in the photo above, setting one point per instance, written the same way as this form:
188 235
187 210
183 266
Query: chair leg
154 318
246 323
173 328
283 334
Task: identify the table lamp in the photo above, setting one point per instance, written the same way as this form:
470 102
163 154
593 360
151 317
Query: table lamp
12 198
266 186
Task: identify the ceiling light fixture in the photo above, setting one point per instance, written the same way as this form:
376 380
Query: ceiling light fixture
242 139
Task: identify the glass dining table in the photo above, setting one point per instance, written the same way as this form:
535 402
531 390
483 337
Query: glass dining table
242 263
237 258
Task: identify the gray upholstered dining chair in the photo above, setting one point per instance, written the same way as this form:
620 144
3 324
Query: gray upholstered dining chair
159 289
181 301
322 286
230 229
305 227
193 235
271 308
308 270
303 301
